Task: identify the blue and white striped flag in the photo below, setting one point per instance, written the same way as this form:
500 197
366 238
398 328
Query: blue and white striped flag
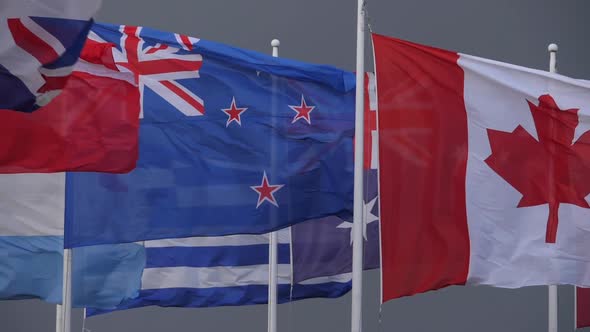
222 271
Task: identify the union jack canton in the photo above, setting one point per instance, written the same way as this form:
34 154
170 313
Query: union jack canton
159 67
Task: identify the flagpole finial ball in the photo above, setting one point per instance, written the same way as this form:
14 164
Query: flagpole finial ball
275 43
552 48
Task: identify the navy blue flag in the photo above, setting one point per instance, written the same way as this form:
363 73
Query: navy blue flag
40 41
231 141
323 248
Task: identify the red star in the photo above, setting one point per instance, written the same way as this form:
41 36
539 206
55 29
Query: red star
302 110
266 191
234 113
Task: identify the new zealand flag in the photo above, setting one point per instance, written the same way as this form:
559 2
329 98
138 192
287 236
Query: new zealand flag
231 141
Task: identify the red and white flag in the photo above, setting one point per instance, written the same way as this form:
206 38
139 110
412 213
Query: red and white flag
92 125
485 170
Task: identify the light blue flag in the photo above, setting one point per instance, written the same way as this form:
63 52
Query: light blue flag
31 249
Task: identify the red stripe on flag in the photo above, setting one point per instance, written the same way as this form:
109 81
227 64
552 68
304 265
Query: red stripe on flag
31 43
132 50
370 125
166 66
186 41
582 307
53 83
131 44
184 96
156 49
423 160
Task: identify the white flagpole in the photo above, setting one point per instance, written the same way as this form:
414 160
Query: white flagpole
273 247
66 307
58 318
552 295
273 282
358 241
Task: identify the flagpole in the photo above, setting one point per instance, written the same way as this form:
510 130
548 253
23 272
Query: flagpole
552 294
66 307
58 318
359 144
274 240
272 284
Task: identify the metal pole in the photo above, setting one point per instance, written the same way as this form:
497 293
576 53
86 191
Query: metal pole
552 294
66 307
358 241
552 48
58 318
273 246
552 319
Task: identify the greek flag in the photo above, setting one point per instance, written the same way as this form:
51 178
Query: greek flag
222 271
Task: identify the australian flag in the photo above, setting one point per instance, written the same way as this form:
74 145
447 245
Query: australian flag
231 142
323 247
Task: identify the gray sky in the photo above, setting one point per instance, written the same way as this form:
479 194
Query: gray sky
516 31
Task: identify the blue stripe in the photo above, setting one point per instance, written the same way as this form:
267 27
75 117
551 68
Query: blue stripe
225 296
214 256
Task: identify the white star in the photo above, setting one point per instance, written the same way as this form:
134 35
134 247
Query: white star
368 217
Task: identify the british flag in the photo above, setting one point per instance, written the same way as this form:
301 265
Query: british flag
159 67
38 50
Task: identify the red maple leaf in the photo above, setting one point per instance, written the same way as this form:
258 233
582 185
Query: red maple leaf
550 170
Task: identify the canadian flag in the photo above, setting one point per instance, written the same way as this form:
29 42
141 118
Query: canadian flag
484 172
